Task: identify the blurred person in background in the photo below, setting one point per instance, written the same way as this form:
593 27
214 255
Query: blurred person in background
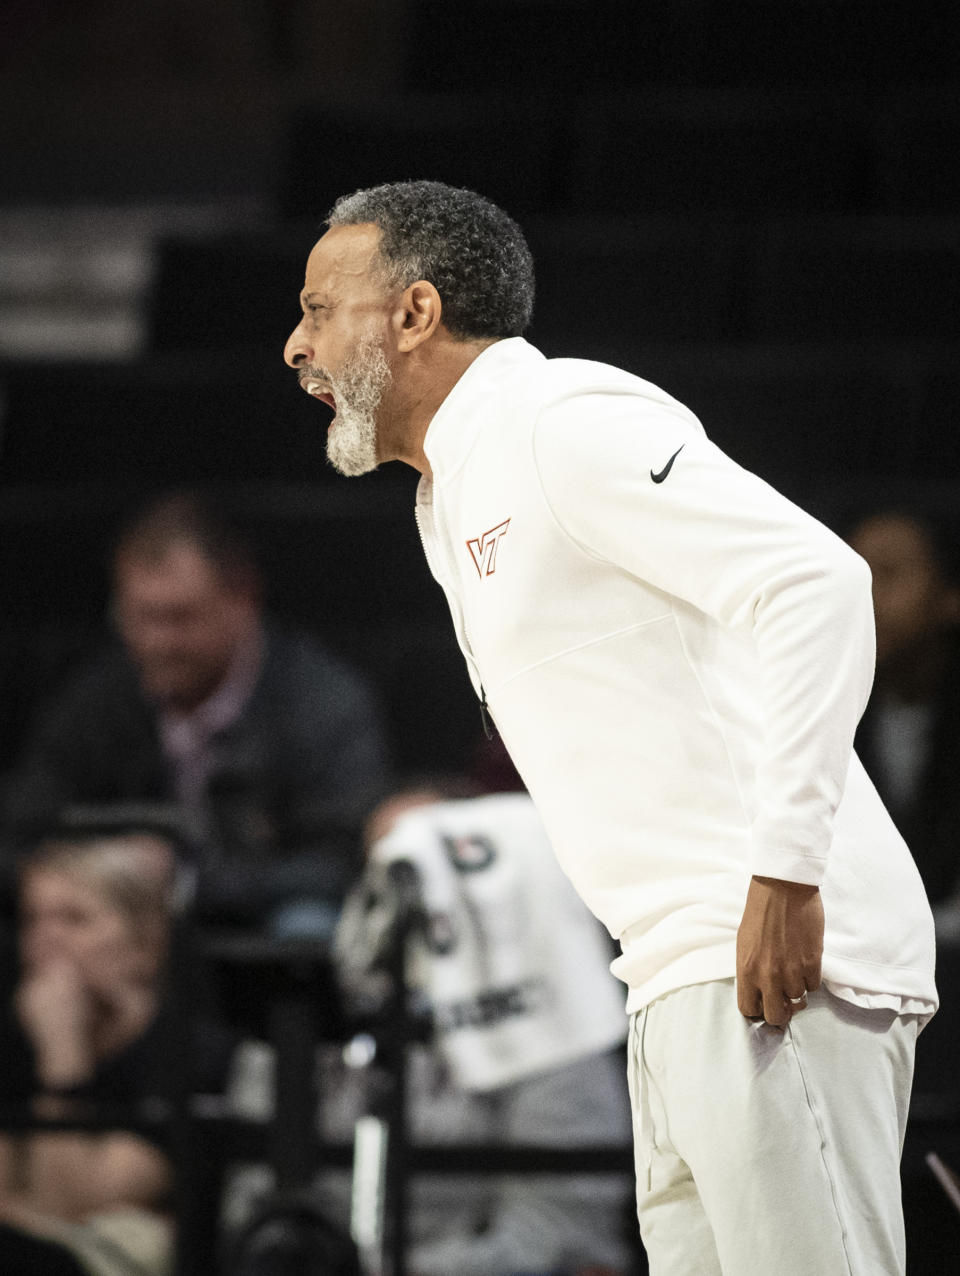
269 746
909 736
522 1028
528 1030
87 1025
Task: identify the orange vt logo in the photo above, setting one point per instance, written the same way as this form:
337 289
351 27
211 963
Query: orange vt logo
484 551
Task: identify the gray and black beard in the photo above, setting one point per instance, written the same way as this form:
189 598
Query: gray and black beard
357 390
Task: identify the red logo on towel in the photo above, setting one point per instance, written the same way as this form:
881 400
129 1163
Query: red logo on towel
484 551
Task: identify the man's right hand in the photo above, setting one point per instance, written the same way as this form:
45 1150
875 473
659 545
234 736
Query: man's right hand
779 946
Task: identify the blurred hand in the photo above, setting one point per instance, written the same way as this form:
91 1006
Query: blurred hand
779 947
55 1009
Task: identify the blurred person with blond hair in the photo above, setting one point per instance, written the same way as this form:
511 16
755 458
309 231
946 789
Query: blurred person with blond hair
87 1026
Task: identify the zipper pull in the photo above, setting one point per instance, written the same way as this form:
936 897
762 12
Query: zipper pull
485 714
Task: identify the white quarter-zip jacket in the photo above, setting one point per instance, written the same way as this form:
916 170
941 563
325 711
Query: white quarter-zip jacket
676 657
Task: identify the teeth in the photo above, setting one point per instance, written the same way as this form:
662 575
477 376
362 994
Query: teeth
314 387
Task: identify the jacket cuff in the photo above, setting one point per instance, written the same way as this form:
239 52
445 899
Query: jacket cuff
788 866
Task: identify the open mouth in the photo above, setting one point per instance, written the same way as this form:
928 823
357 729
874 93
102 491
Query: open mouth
315 390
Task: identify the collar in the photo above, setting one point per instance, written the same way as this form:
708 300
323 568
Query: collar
457 422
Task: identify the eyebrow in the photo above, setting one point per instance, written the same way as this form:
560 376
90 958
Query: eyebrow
308 296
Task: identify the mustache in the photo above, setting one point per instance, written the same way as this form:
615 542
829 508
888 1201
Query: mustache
305 374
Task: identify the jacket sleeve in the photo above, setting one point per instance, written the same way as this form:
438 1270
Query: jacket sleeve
714 536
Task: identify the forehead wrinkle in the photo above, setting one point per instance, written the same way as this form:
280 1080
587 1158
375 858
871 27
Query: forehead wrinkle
346 251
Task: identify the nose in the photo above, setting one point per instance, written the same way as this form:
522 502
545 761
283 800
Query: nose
298 349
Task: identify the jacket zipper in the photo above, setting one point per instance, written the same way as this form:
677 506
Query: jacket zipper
485 720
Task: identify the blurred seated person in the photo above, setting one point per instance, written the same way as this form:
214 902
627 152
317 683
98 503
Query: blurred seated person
269 746
528 1025
909 736
87 1025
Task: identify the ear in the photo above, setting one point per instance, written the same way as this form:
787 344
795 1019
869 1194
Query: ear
417 315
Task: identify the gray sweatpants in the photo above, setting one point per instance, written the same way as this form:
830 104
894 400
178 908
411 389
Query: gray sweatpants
762 1152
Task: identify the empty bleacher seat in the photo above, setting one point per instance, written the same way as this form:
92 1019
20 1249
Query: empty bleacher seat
823 43
857 279
508 148
689 152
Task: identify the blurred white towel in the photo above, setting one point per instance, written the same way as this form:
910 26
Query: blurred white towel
514 966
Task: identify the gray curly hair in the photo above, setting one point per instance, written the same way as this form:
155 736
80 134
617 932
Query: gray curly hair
469 249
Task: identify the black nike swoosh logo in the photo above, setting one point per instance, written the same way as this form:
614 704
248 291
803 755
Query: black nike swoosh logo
658 478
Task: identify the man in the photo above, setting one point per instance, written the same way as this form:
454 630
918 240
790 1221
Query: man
267 746
676 658
909 736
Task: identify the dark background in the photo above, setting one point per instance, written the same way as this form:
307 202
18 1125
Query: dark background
754 204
